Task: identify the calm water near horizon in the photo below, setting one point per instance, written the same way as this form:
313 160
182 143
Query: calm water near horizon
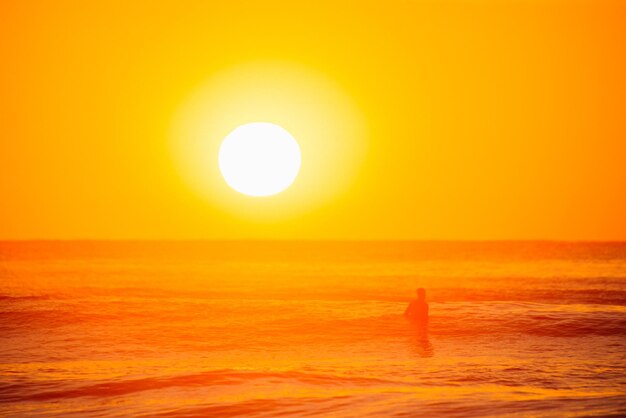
255 328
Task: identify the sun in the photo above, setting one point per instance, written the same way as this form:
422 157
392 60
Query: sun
259 159
266 141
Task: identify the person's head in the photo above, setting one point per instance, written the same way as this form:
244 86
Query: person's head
421 293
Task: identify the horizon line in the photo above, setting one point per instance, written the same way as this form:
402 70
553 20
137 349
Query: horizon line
351 240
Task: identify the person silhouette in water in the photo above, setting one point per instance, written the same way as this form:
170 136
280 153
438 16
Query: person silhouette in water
417 311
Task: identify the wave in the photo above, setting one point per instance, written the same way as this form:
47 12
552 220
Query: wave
33 391
342 395
588 290
19 298
256 321
473 320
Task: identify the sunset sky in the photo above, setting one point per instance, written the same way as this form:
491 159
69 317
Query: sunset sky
416 119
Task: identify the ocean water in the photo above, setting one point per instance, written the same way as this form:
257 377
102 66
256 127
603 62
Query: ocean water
197 329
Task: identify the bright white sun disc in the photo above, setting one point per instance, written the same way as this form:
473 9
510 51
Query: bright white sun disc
259 159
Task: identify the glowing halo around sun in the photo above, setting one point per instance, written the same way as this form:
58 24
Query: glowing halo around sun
259 159
273 99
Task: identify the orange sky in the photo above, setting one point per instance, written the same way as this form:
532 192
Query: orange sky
482 119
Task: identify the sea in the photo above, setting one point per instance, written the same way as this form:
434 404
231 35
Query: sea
311 328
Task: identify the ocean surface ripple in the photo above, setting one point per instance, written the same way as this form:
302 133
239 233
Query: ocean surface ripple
264 329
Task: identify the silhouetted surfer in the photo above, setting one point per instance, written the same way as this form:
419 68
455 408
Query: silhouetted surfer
417 311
